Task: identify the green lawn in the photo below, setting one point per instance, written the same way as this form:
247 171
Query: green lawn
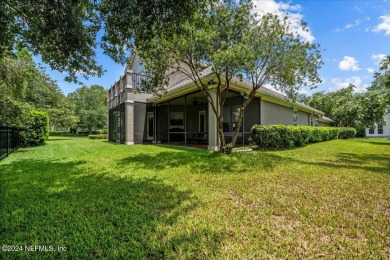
105 200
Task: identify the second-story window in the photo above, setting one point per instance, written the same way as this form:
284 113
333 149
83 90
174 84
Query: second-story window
139 82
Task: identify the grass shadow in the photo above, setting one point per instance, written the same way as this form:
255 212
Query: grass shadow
356 161
93 214
58 139
199 161
378 142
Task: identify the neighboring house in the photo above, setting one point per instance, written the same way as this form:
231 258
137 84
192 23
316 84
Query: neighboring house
183 116
380 130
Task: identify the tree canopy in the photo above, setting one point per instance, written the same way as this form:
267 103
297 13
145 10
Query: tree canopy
91 107
360 110
62 32
381 81
67 33
350 109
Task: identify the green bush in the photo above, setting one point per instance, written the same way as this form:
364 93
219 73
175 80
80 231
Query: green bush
282 136
97 132
360 130
99 136
35 130
65 133
346 132
59 133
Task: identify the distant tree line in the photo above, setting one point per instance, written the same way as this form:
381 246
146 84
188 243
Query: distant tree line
360 110
27 92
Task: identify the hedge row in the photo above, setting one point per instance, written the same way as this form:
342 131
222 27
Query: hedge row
281 136
346 132
65 133
80 133
99 136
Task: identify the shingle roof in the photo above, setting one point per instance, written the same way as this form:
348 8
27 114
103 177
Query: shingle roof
246 83
187 81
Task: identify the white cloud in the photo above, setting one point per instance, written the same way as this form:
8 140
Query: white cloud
340 83
370 70
358 9
355 23
378 58
349 63
262 7
384 25
350 25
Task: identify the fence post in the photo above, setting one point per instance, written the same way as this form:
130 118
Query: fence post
7 129
13 139
9 140
17 138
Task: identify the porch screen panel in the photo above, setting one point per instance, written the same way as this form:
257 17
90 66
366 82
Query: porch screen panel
197 119
162 122
116 119
177 121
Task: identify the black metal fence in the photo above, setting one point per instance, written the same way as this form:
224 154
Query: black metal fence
9 140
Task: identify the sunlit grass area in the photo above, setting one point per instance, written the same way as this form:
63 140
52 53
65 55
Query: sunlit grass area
104 200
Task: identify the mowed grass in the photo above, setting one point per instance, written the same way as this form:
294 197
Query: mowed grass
104 200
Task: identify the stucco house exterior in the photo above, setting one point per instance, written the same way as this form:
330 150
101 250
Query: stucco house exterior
381 131
183 116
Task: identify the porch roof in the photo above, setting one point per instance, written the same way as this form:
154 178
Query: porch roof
187 85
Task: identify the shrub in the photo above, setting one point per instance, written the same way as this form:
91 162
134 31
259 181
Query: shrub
99 136
35 129
65 133
346 132
97 132
281 136
58 133
360 130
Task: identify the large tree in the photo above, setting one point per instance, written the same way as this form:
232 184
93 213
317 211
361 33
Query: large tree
232 43
381 81
91 107
66 32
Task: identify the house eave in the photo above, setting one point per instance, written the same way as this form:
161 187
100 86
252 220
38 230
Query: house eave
278 99
238 86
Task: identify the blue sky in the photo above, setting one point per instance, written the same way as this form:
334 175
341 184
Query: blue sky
353 35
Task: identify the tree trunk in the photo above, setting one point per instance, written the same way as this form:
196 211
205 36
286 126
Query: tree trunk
237 130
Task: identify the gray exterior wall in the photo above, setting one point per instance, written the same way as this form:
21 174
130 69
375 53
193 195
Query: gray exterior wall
303 118
252 114
273 114
322 123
